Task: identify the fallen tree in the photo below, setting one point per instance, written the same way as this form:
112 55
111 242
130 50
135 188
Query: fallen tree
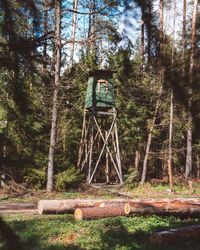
166 207
101 212
69 205
137 206
173 235
63 206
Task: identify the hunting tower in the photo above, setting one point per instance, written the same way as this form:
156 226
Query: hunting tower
99 154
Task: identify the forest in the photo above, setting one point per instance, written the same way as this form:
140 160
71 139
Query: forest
47 48
99 124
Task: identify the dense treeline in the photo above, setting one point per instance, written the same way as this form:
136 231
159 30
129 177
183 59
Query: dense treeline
46 48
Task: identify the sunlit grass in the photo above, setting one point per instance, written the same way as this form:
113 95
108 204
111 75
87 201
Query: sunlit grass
146 191
62 232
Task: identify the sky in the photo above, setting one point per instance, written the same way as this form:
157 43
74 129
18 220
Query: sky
128 24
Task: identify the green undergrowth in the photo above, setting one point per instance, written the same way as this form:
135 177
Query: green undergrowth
148 190
59 232
162 191
37 195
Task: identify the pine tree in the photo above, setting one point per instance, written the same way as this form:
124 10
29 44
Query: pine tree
188 167
50 171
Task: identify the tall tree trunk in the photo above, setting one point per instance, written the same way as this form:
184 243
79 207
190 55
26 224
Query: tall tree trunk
45 33
142 34
91 48
171 107
137 160
188 167
93 35
50 172
170 140
73 33
184 34
3 167
148 14
198 167
161 29
144 170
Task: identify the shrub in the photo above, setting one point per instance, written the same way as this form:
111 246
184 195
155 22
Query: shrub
36 178
68 178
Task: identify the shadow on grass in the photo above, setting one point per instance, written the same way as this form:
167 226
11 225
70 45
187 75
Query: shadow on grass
56 233
118 237
30 234
8 238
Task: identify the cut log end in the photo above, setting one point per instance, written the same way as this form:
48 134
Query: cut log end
78 214
102 212
180 207
127 208
40 207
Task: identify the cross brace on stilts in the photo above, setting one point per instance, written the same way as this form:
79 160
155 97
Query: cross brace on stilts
99 153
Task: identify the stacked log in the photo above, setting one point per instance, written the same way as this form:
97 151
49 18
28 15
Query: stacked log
180 207
166 207
101 212
69 205
65 206
173 235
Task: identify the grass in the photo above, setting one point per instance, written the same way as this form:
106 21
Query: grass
161 191
147 191
59 232
36 195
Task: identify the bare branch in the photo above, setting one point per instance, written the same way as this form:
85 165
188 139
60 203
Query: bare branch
88 13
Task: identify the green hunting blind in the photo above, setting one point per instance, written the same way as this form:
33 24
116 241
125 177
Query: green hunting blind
100 90
99 154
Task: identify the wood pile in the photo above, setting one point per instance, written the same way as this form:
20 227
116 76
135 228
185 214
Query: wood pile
65 206
101 212
179 207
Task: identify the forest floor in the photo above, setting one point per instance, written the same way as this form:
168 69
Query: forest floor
155 189
57 232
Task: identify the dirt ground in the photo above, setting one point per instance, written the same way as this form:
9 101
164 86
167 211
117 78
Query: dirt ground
18 207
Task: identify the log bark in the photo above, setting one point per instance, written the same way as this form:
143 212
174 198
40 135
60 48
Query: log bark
69 205
101 212
173 235
179 206
64 206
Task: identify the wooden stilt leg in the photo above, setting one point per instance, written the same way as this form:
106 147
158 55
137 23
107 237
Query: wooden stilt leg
86 144
118 152
82 141
100 139
107 162
91 151
105 145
